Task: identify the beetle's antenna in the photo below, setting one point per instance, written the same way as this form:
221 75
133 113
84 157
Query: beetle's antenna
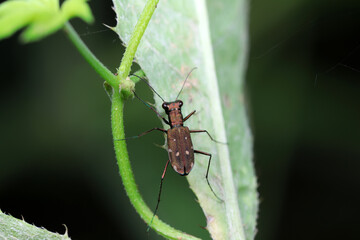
157 113
149 86
185 82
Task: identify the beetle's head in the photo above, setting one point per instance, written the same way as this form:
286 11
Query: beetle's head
171 106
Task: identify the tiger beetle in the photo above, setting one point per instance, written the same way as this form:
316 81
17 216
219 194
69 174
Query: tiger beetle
180 147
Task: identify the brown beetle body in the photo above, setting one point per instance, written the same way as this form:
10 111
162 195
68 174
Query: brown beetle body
181 151
180 148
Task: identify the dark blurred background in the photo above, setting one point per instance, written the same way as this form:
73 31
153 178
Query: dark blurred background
57 160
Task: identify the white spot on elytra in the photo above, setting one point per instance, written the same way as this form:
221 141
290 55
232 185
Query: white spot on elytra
187 152
177 154
192 164
175 168
170 150
185 138
174 139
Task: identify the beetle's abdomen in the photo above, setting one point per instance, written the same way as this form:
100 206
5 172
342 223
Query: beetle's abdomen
180 148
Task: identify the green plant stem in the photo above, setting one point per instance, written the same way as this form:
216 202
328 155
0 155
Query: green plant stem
128 176
117 83
117 116
105 73
136 36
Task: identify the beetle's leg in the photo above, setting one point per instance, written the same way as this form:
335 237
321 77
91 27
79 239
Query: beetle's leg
142 134
207 172
188 116
200 131
157 205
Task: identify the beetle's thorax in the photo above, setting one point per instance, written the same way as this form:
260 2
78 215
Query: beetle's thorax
173 110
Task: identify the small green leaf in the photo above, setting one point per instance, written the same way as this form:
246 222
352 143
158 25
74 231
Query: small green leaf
108 89
12 228
42 17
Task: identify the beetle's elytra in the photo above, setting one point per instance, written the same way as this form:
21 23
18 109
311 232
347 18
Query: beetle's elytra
180 147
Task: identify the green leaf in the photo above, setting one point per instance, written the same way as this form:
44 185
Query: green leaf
12 228
42 17
188 33
229 35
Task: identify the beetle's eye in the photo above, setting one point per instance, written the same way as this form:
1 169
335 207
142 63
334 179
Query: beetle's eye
164 106
180 103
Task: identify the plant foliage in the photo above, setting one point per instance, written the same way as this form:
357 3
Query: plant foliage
40 17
